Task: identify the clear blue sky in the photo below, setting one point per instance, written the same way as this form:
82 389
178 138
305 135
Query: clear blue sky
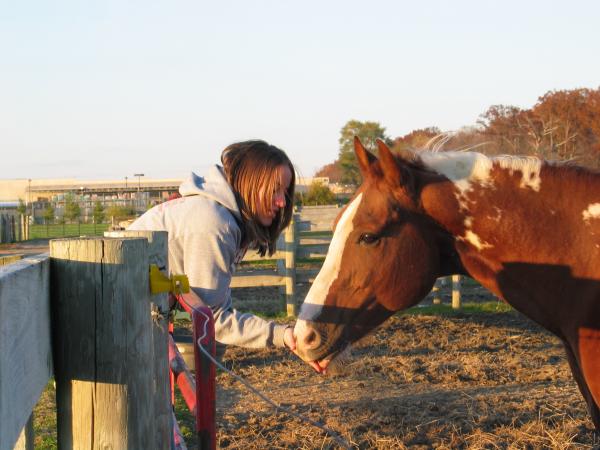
109 88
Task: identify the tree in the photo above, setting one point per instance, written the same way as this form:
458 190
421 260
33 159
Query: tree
572 119
332 171
501 124
318 194
98 213
561 125
368 132
72 208
48 214
416 139
119 212
22 208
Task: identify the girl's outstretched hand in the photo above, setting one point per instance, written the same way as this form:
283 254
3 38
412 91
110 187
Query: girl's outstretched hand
290 342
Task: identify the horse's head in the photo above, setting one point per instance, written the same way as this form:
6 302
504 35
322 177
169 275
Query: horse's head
383 258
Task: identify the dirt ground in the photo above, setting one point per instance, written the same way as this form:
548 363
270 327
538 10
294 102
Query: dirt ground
32 247
465 381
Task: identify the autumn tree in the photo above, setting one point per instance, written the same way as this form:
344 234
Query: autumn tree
333 171
501 125
416 139
570 123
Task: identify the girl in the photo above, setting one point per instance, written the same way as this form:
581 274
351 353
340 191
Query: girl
243 204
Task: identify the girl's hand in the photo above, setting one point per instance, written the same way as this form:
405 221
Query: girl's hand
290 342
288 338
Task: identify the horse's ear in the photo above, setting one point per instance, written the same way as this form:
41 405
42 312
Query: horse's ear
365 158
389 165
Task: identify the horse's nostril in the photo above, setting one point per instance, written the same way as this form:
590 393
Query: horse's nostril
312 340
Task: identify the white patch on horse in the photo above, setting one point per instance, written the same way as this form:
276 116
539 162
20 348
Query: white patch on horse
466 169
592 212
331 267
471 237
497 214
529 166
475 240
462 168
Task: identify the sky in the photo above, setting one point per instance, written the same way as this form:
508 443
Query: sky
110 88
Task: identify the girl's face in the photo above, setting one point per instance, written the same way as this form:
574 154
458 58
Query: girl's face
284 175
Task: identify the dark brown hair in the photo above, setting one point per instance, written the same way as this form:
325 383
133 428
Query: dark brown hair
251 168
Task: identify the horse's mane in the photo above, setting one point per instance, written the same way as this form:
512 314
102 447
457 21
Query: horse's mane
464 163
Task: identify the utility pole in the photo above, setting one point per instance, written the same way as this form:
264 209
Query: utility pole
139 175
138 200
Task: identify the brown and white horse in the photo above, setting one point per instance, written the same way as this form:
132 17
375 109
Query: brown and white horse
527 230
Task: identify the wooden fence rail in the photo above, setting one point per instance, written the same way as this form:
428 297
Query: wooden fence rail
25 352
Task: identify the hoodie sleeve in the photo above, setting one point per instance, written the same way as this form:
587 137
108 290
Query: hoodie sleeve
209 265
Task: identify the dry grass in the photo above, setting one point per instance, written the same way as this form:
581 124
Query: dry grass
473 382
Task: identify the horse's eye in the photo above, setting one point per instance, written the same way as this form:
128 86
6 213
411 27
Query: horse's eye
368 239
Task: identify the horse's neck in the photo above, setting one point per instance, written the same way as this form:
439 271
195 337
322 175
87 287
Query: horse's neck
512 239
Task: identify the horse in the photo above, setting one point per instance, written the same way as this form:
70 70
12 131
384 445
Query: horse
526 229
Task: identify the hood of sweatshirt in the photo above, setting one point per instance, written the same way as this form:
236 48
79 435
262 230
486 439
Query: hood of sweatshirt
213 185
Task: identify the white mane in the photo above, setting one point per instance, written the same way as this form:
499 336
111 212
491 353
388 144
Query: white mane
466 168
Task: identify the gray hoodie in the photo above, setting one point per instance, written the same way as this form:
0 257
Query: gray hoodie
205 244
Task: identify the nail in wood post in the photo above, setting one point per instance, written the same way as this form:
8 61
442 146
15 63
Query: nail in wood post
456 281
159 308
290 267
102 336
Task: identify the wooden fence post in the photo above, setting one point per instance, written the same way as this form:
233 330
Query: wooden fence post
290 267
159 306
456 280
102 337
436 292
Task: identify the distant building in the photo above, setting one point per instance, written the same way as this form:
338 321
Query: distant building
139 193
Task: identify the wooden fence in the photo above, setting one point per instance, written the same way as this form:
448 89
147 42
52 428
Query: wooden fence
91 296
13 228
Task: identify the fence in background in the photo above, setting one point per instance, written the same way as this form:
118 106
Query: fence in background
13 228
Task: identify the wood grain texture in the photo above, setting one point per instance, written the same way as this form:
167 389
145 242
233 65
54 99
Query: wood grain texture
25 350
159 304
103 343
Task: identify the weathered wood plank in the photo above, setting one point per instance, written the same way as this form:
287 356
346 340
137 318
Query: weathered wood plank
290 268
257 280
103 342
159 304
25 353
